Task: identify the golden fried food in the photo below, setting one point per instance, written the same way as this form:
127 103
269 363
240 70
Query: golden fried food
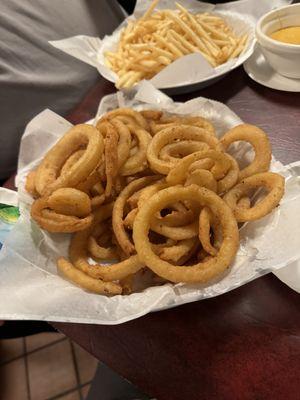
150 43
86 282
100 243
168 122
69 201
173 151
272 182
200 272
150 191
71 161
47 178
79 258
260 142
118 212
179 252
137 162
208 221
55 222
30 184
111 158
179 173
170 135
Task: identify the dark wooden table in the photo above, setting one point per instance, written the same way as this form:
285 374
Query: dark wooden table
242 345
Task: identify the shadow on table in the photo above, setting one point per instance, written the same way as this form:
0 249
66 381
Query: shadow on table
222 90
108 385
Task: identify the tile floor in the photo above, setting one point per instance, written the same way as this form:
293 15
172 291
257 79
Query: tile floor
46 366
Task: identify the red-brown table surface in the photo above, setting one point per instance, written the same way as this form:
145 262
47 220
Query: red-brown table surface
241 345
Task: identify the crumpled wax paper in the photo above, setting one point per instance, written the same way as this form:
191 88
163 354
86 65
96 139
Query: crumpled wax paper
190 69
30 287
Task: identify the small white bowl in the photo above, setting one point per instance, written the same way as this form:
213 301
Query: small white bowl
284 58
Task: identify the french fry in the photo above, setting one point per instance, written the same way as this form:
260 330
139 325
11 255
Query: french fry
237 51
201 32
177 44
189 46
150 9
135 77
159 37
174 50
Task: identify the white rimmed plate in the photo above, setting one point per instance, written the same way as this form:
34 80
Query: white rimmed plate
258 69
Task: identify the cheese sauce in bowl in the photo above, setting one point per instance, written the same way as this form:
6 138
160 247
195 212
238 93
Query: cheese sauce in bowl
289 35
278 34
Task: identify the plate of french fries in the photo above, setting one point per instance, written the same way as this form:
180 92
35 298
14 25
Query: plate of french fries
148 44
177 46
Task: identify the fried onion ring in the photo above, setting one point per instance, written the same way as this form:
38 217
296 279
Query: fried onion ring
244 202
111 158
127 284
54 222
69 201
200 272
97 201
169 122
260 142
128 112
173 151
170 135
85 281
151 114
71 161
124 142
100 252
202 178
176 252
118 212
79 256
30 184
177 218
128 220
47 179
231 177
177 175
175 232
206 163
274 183
90 182
206 222
180 225
138 161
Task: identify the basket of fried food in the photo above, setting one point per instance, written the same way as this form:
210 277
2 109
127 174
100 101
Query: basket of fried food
150 43
150 191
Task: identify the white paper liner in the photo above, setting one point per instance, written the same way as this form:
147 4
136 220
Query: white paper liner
190 69
8 197
30 287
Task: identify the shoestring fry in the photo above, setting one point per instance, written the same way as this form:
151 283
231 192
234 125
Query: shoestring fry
150 43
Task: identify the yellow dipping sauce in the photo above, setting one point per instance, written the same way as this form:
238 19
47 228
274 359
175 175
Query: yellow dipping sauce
289 35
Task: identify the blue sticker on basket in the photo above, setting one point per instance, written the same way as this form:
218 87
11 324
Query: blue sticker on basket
8 217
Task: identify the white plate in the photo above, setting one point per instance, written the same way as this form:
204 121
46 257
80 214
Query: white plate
190 72
260 71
